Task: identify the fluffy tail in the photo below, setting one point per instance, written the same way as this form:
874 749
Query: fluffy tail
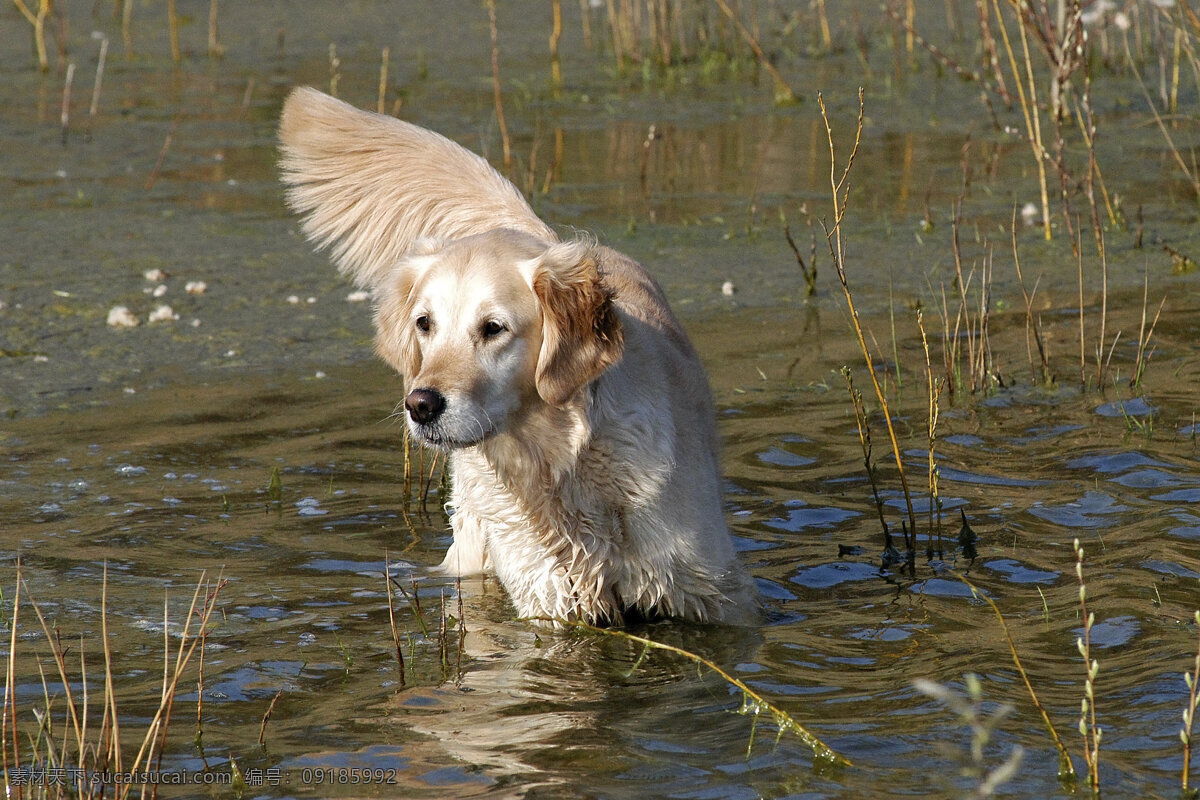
369 186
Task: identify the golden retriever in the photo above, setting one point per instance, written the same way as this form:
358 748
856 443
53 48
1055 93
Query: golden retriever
577 417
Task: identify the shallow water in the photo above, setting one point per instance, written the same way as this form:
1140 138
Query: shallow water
151 450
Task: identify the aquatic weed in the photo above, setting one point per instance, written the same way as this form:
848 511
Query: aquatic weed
753 703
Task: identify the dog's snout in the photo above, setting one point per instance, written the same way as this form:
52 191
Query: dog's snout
425 405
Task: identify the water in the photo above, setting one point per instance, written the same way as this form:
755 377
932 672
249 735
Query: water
149 452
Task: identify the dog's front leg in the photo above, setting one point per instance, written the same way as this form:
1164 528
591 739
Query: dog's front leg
468 553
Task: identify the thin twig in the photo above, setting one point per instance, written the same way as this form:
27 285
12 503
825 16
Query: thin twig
836 249
162 154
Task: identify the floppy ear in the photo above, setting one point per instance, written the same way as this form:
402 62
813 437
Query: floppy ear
581 332
395 339
369 185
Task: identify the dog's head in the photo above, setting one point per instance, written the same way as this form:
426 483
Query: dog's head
478 304
486 328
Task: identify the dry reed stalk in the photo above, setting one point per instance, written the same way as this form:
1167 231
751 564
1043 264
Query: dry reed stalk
556 29
38 21
183 656
428 481
215 48
933 393
110 725
443 637
991 54
1102 366
162 154
173 29
585 21
864 440
1144 336
938 54
95 104
335 75
810 274
127 27
8 714
1192 176
103 753
823 22
495 34
462 633
407 468
244 108
963 316
1087 127
387 584
783 93
615 26
381 100
910 23
1029 108
1032 326
552 170
65 116
199 691
262 728
833 237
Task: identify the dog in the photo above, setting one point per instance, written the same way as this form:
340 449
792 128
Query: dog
577 417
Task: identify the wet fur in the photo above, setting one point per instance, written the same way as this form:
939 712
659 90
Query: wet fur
583 451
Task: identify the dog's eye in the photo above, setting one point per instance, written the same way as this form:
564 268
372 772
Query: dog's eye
492 328
423 323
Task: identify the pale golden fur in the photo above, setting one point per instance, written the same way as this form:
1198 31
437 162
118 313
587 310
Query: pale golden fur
577 416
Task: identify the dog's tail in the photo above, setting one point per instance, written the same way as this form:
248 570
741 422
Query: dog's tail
369 186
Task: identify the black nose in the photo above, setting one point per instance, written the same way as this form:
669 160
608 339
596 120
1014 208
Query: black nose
425 405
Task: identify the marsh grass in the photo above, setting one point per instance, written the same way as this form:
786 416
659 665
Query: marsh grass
966 341
71 739
1053 100
1039 374
660 37
968 365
